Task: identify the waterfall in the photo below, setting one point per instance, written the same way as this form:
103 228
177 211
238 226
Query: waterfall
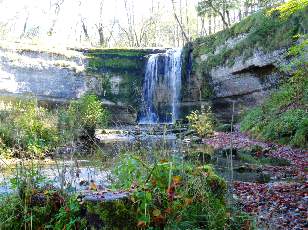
150 79
162 88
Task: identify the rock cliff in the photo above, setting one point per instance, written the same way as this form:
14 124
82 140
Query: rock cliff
242 64
57 76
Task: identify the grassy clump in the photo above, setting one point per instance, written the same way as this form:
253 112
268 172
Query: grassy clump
265 30
24 126
83 116
37 206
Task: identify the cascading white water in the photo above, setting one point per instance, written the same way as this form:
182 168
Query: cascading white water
170 79
151 77
173 76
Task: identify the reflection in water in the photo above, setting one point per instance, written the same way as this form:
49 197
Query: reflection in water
74 172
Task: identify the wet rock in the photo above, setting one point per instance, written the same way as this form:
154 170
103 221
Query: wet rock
246 168
263 178
110 210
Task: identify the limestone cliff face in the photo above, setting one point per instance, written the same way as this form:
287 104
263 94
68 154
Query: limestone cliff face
246 82
243 63
46 75
61 75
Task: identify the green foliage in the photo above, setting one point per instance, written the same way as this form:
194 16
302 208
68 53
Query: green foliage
213 7
261 31
27 129
223 128
83 116
173 194
26 126
283 116
203 123
68 217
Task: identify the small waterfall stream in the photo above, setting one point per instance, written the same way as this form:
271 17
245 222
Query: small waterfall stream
162 88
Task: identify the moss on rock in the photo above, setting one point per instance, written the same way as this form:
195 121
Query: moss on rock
117 214
126 64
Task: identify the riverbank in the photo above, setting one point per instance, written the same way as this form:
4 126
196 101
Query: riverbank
282 202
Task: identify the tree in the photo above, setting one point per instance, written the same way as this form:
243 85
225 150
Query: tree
179 22
56 4
136 31
219 8
104 33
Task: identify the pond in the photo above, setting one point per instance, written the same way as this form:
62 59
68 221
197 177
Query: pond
74 168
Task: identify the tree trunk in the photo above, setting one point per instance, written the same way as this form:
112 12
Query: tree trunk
85 30
210 24
179 22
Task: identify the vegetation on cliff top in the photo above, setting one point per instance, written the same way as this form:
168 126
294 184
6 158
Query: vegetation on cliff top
267 30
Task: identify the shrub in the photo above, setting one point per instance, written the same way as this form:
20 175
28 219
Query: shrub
26 126
202 123
83 116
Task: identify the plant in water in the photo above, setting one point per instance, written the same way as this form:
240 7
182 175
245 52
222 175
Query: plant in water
38 205
202 122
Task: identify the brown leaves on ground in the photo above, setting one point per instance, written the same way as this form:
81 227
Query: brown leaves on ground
278 205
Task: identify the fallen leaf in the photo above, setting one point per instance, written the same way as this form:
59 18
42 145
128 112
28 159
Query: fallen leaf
93 186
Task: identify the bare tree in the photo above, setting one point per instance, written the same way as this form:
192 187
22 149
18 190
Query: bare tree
57 7
25 27
180 24
104 33
85 29
137 32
